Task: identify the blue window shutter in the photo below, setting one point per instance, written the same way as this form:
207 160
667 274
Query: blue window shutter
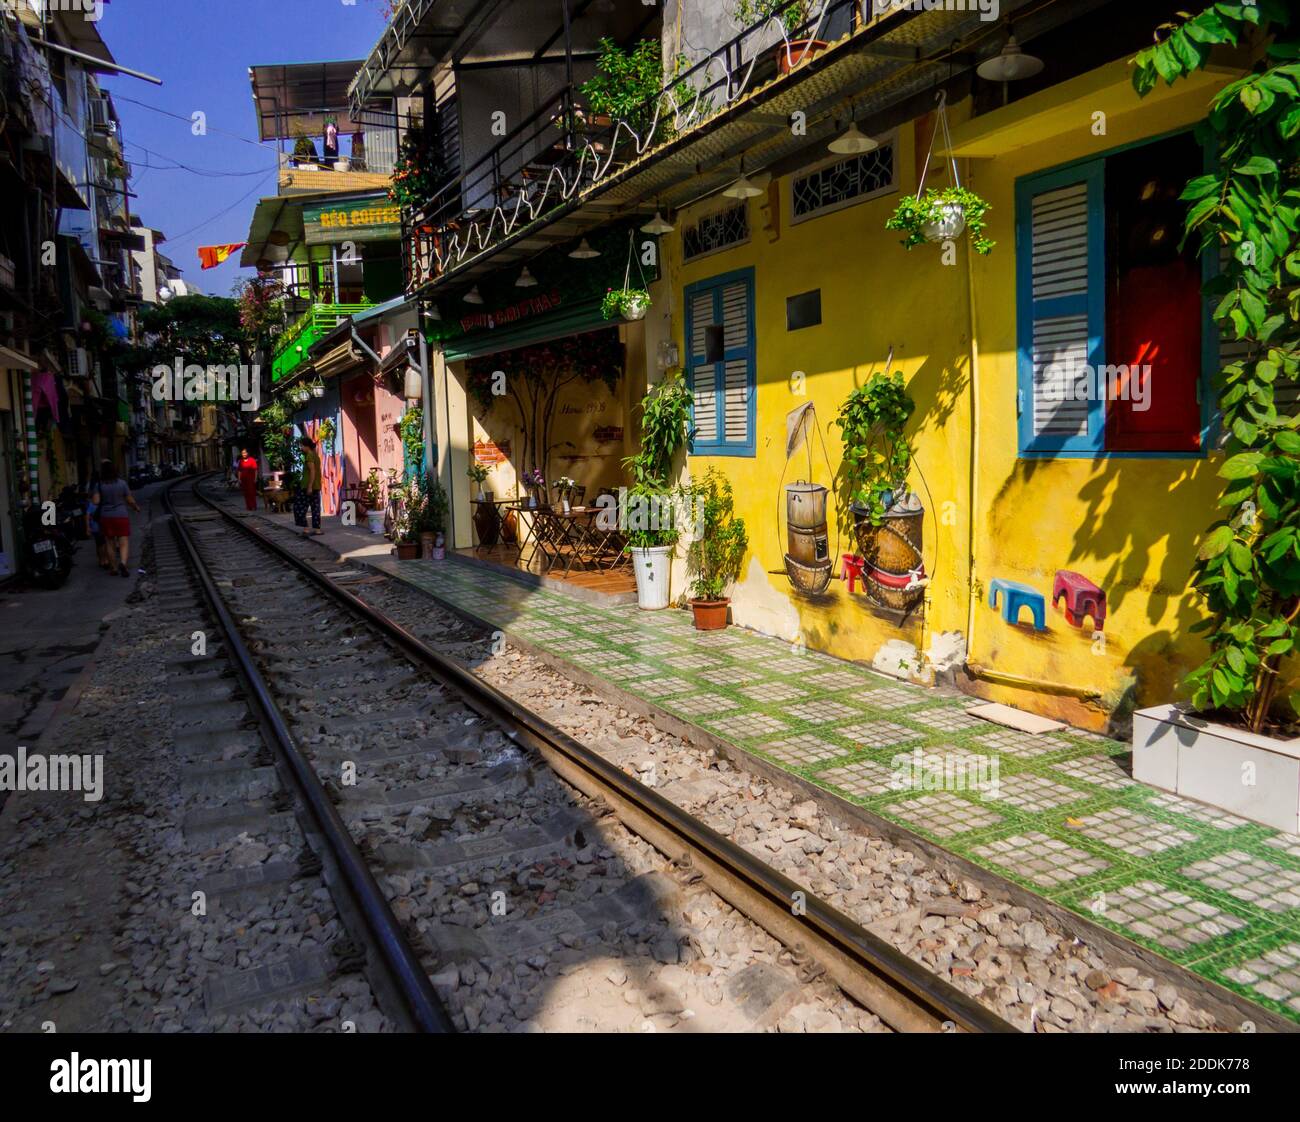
724 410
1061 308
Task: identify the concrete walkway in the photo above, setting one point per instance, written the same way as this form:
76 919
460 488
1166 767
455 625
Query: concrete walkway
1057 813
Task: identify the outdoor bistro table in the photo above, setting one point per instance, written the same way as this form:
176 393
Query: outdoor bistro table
574 536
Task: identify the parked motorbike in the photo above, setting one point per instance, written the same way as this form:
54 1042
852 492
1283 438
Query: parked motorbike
49 551
71 508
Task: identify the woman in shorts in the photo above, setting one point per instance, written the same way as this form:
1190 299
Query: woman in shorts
115 503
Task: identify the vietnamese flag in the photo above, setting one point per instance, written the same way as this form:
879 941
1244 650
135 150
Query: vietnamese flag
210 256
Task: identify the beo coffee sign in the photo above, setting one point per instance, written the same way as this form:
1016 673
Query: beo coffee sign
343 220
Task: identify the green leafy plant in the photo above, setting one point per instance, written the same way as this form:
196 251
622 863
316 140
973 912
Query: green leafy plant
626 83
326 434
747 13
651 517
877 454
419 172
411 429
433 512
1248 567
665 428
913 215
714 558
621 301
477 472
372 491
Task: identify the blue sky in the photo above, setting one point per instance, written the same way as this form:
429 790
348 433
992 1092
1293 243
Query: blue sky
202 50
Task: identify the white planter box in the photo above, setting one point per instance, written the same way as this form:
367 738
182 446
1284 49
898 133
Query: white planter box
653 568
1254 777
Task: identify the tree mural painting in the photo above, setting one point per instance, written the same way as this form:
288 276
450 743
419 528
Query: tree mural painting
534 379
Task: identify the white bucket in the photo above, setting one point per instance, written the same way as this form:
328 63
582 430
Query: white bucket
375 521
653 567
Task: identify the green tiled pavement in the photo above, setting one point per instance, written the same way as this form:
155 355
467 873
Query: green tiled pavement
1214 893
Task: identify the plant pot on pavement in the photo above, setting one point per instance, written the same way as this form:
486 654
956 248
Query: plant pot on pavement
710 615
408 551
375 521
427 541
653 567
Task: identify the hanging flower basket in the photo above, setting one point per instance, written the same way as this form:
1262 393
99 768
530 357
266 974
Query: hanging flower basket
629 303
950 223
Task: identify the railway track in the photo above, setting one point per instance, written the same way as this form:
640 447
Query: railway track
371 724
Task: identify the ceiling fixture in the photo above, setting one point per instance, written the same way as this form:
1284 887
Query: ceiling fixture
658 225
472 296
584 251
1010 65
744 187
526 279
852 141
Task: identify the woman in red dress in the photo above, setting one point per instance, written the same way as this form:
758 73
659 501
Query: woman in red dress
248 479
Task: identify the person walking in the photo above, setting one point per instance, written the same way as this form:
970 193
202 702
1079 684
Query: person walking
248 479
115 502
93 529
308 493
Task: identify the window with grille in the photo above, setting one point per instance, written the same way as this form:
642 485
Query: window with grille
720 356
716 232
842 182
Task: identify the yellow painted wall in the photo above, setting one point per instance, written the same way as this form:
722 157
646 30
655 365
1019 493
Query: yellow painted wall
1130 525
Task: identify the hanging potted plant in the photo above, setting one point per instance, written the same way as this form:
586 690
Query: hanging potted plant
886 516
630 303
317 388
937 216
714 558
372 497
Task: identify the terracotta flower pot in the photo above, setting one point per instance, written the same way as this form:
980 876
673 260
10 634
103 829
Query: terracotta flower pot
710 615
800 51
427 540
408 551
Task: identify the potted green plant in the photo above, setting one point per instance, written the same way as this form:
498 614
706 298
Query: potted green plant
564 487
937 216
887 518
372 498
478 473
630 303
652 537
326 434
714 558
485 515
433 520
304 149
748 13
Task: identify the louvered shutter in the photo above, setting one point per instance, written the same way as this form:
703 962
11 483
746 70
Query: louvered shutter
722 383
703 375
1061 306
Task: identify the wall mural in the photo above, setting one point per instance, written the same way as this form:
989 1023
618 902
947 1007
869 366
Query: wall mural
1082 599
331 464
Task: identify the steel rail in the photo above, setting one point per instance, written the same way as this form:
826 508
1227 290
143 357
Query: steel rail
421 1006
899 989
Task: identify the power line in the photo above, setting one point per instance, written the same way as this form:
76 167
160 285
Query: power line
220 214
189 121
177 165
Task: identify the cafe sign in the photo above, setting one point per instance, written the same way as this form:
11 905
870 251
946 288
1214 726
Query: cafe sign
352 220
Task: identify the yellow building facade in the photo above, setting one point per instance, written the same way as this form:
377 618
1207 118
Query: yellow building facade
1128 523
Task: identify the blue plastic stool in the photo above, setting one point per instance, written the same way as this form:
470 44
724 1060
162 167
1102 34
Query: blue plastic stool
1016 596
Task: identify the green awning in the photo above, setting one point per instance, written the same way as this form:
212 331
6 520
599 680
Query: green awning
557 325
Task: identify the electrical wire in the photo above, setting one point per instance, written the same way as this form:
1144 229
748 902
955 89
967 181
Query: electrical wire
189 120
177 165
207 222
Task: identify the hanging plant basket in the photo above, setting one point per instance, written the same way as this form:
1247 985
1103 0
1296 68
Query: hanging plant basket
629 303
950 223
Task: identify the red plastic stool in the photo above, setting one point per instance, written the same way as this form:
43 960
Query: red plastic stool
1082 598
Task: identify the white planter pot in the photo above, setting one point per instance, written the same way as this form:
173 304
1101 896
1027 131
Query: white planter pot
950 226
375 521
636 309
653 567
1251 776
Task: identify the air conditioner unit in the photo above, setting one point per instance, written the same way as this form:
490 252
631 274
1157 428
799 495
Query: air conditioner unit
101 116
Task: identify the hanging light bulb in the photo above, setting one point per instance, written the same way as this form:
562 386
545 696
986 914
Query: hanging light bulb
526 279
1010 65
584 251
852 141
744 187
658 225
472 296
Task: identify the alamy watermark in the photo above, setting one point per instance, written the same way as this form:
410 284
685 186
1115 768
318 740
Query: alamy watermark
92 10
37 772
946 771
988 9
1072 381
191 382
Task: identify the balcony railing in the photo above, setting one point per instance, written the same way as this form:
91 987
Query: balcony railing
297 340
560 151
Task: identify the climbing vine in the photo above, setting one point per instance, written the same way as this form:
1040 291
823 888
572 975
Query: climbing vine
1248 210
